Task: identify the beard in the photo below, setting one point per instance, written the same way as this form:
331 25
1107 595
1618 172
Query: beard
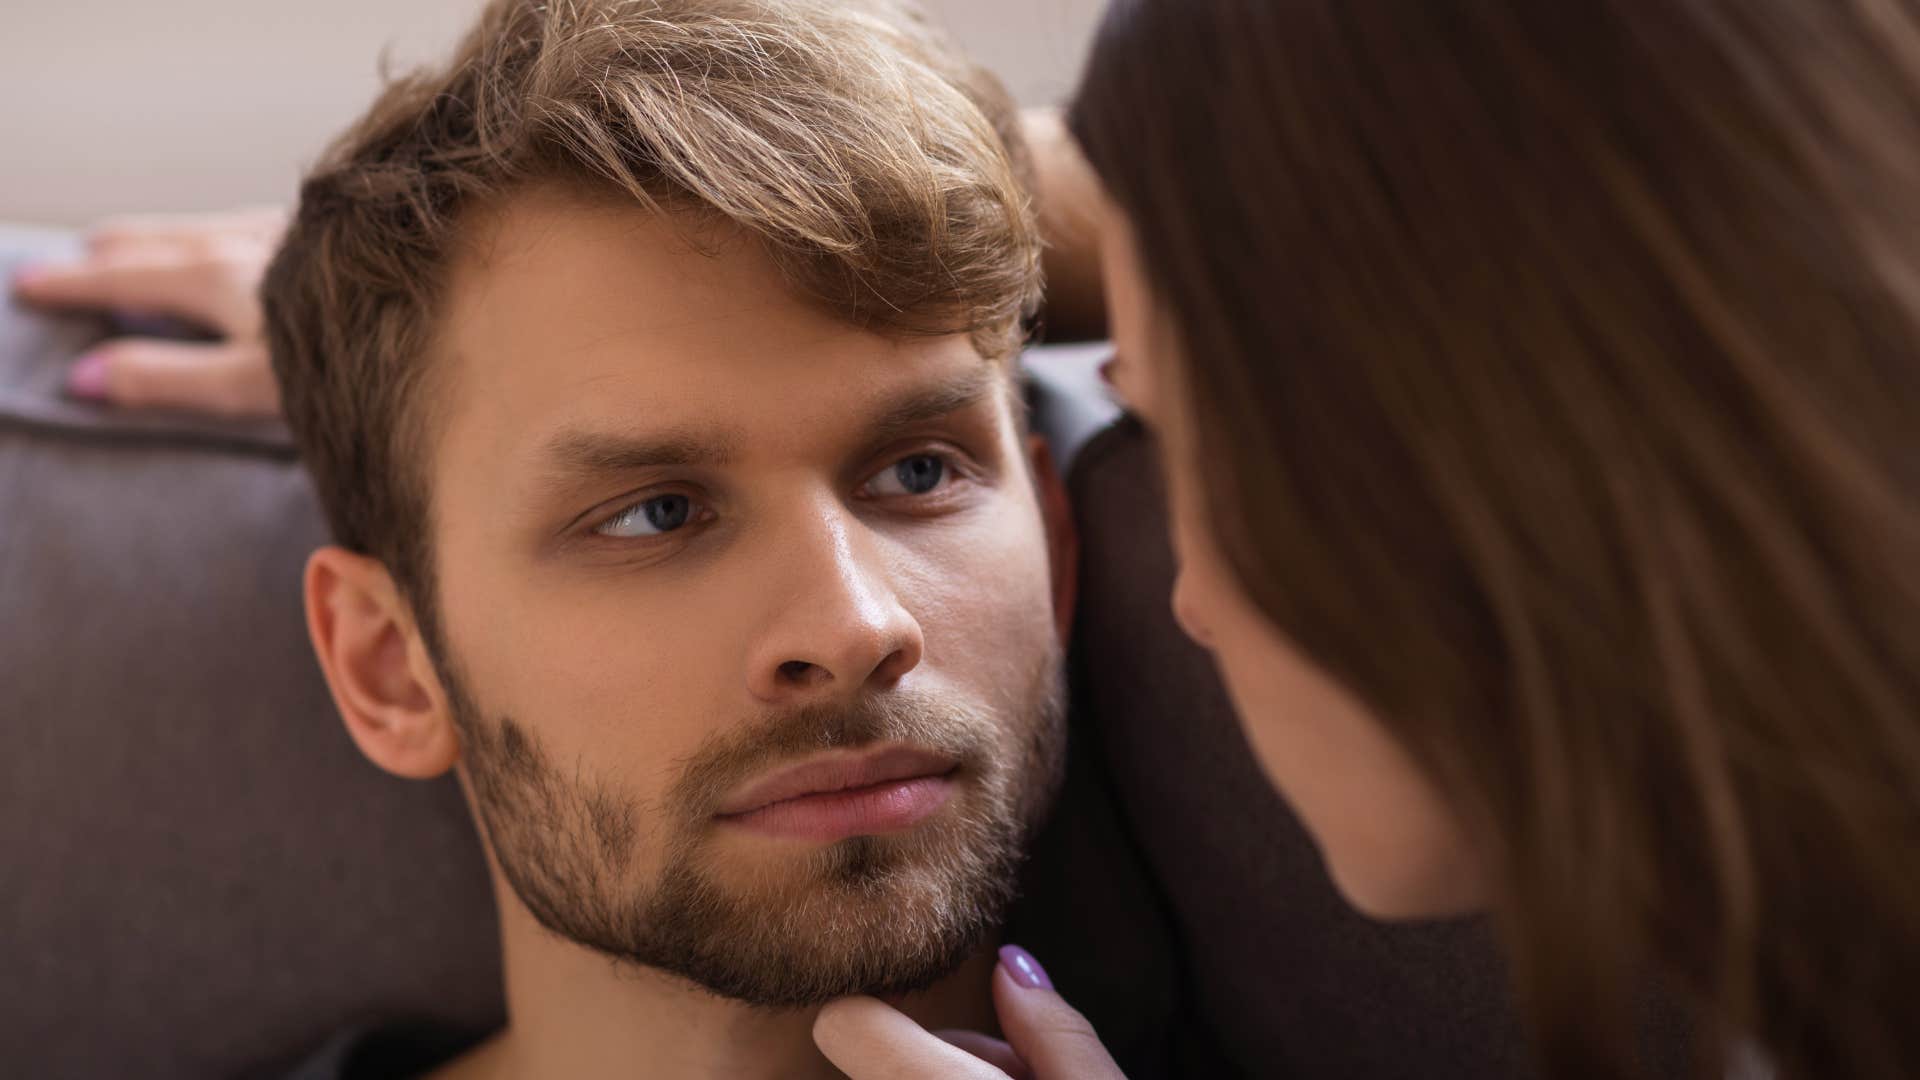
881 915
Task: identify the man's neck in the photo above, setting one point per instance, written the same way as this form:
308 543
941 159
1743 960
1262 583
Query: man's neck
575 1013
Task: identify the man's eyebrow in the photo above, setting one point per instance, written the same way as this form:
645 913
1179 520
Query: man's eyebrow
594 452
933 402
575 451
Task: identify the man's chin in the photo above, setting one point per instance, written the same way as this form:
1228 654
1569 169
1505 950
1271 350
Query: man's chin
799 974
880 915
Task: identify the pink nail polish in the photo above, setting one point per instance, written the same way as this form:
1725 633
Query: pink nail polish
27 275
1024 968
87 378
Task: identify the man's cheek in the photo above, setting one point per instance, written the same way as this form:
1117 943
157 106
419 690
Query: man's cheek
1000 624
1015 561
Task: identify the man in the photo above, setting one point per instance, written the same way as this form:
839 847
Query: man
652 362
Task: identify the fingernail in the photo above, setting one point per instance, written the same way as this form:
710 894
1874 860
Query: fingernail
26 276
1024 968
87 378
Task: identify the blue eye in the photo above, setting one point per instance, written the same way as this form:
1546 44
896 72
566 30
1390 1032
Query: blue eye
653 517
916 475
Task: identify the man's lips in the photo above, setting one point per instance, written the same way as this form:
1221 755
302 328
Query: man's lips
845 793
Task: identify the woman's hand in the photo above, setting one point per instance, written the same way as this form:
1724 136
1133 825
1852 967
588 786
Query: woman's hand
202 269
1046 1038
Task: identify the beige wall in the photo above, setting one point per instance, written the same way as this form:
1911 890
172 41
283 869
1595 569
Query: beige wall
115 105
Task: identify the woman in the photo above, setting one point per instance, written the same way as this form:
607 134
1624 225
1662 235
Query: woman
1539 388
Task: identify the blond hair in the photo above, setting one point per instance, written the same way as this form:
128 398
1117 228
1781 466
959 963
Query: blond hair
879 170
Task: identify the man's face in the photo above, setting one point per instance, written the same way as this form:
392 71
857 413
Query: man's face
745 611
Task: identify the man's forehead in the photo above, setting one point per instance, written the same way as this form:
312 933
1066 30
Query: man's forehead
509 222
548 241
584 332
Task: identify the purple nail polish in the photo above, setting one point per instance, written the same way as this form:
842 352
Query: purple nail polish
1024 968
87 378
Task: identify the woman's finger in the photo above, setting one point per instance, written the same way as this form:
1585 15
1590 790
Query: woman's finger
117 245
870 1040
227 379
166 283
990 1050
1054 1040
133 231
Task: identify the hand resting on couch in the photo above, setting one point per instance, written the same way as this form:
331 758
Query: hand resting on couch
165 277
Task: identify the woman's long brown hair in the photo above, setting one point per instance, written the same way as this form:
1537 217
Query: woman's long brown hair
1552 370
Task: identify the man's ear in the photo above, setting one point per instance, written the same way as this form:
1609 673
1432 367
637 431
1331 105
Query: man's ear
382 678
1063 536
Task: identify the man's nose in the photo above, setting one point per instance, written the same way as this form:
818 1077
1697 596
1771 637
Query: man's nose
838 626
